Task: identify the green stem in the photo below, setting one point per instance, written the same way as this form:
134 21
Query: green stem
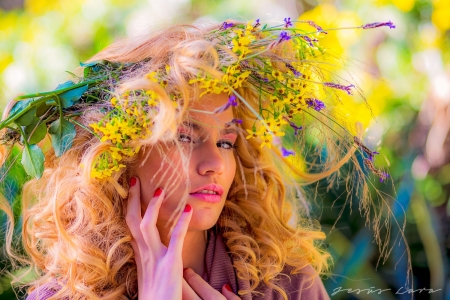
84 127
60 90
22 133
11 119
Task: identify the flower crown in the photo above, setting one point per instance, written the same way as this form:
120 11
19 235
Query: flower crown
287 89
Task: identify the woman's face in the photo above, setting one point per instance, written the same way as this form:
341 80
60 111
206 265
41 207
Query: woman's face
208 144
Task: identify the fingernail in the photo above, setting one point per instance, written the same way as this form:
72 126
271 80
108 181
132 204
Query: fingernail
157 192
185 269
228 287
132 181
187 208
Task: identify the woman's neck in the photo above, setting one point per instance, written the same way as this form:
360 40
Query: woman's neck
194 249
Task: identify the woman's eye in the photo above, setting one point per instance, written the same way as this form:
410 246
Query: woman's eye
225 144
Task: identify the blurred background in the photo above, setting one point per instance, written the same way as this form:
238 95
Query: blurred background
405 75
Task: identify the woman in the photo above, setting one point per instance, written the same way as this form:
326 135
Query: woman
164 178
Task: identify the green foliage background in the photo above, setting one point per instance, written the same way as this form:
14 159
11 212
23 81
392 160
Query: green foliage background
405 74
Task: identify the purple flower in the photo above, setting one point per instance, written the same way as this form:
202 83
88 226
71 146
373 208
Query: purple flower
284 36
308 39
316 104
295 127
369 152
226 25
258 76
231 102
384 176
316 26
257 23
346 88
378 24
285 152
287 22
293 70
234 121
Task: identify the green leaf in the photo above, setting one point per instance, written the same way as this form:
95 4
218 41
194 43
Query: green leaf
28 117
38 133
41 109
90 64
64 85
62 133
71 96
33 160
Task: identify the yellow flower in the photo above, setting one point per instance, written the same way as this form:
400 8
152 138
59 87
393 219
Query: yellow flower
241 41
115 153
254 134
152 76
277 75
281 90
267 141
152 102
277 102
240 79
249 28
95 127
114 101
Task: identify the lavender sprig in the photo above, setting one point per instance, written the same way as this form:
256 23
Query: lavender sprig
293 70
315 103
234 121
287 22
226 25
293 125
284 36
346 88
309 40
232 101
378 24
285 152
316 26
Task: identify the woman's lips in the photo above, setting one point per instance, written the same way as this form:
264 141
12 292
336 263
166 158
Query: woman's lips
211 198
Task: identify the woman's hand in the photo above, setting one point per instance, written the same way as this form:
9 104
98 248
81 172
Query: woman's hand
195 288
159 268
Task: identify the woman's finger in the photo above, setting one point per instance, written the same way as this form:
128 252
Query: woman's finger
201 287
148 224
133 216
188 293
179 232
228 293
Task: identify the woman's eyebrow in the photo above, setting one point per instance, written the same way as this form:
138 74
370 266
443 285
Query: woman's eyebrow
199 128
229 131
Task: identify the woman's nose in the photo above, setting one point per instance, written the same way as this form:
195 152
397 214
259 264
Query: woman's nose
210 159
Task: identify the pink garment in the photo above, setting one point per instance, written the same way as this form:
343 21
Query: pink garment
219 271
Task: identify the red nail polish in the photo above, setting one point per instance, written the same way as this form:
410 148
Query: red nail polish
187 208
132 181
228 287
157 192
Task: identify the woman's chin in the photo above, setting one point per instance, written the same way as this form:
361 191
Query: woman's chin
203 222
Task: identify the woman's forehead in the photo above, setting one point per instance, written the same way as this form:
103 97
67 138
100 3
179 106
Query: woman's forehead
202 110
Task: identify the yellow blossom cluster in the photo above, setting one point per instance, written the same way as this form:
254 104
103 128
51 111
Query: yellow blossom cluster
130 119
284 86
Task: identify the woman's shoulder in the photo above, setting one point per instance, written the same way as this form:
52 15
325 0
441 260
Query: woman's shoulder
305 284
